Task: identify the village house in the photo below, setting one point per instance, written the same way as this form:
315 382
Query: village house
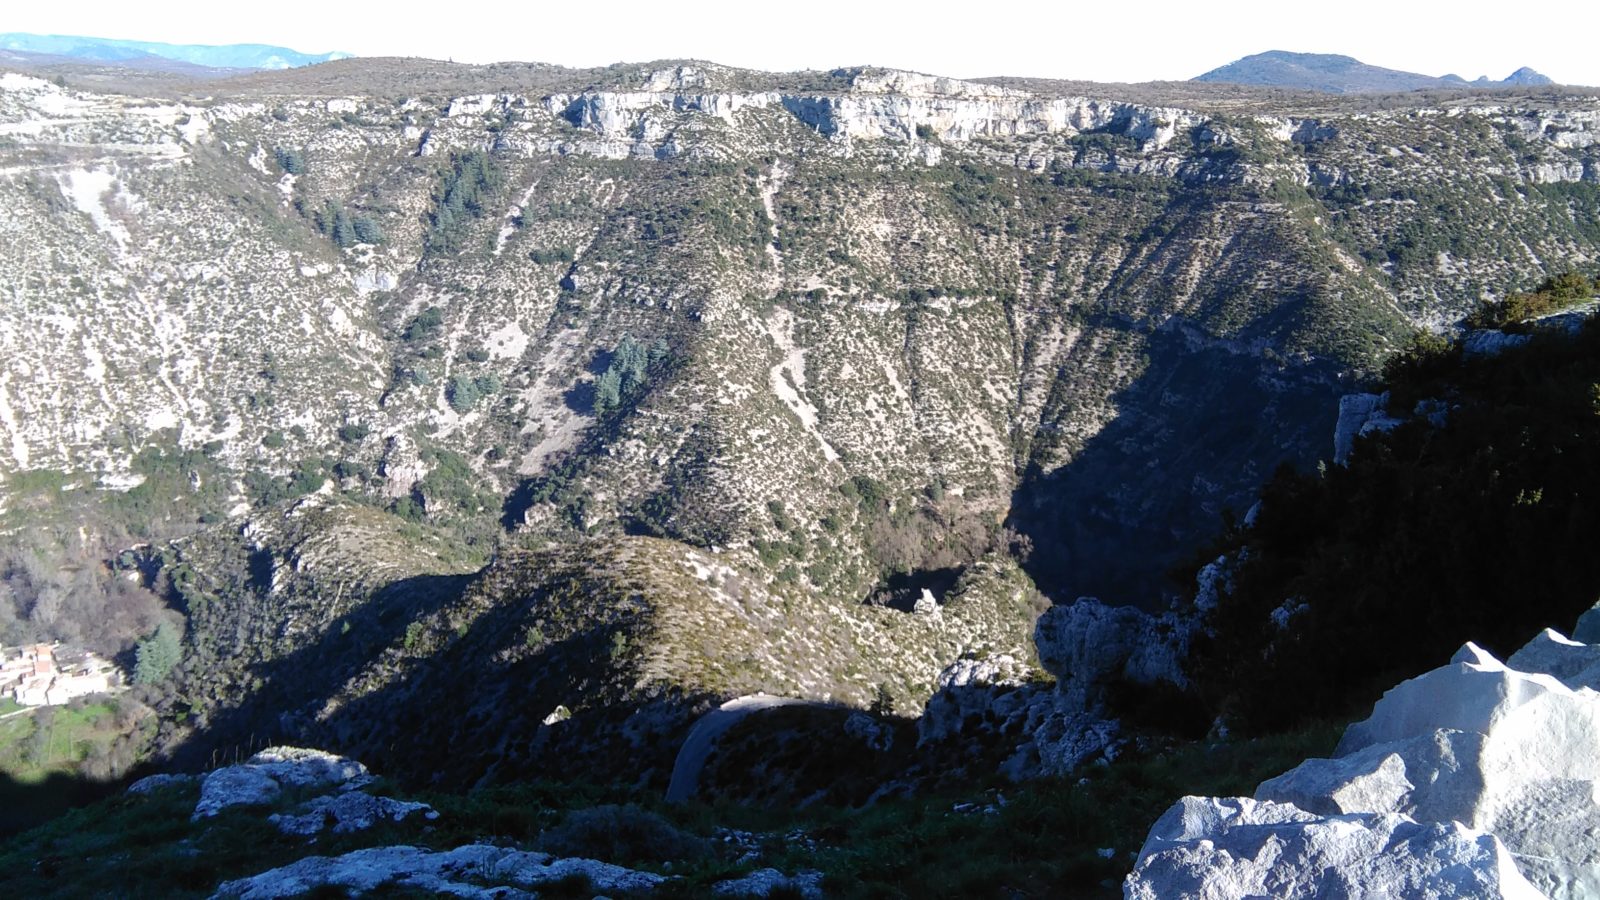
50 675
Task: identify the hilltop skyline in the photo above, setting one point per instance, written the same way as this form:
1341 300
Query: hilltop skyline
1173 42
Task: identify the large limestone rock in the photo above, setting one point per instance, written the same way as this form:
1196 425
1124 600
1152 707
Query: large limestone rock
1359 414
263 777
347 812
1216 849
1087 645
762 882
462 872
1478 742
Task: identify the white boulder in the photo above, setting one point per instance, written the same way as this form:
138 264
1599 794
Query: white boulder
1508 752
462 872
1574 664
1223 849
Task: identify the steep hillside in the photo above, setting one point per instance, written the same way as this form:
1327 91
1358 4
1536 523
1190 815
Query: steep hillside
1463 508
843 337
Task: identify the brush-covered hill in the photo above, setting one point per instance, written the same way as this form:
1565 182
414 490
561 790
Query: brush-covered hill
833 339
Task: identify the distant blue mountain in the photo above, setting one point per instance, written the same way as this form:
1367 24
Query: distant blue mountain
107 50
1344 75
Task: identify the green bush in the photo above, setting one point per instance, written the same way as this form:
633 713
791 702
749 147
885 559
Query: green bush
425 325
1552 295
290 161
462 196
623 835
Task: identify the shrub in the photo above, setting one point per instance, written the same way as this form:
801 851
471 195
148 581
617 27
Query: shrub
290 161
464 392
425 325
623 834
549 257
366 230
1552 295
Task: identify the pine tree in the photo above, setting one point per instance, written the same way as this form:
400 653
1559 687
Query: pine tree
157 655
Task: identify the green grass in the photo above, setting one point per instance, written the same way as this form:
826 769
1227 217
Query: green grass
69 735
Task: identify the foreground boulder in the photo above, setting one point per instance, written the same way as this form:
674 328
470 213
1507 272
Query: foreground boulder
476 870
1206 848
1507 753
265 776
1514 753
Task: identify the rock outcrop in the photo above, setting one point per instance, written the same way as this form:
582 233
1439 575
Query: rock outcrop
762 882
267 774
461 872
1214 849
1360 414
347 812
1504 756
1088 645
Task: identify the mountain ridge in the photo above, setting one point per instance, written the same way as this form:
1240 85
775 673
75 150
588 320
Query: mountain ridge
1336 73
141 54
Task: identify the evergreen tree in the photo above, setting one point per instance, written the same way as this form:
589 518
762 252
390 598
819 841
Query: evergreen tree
157 654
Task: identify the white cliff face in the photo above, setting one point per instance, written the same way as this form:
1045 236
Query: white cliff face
1360 414
893 106
1500 755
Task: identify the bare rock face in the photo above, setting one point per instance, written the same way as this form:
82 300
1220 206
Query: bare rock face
1216 848
1359 414
1088 644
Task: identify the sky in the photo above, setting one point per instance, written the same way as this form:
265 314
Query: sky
1150 40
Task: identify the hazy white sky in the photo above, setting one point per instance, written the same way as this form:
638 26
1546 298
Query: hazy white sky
1153 39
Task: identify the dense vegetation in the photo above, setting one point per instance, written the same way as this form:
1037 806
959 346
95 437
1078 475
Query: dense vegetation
1477 526
464 190
1553 295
